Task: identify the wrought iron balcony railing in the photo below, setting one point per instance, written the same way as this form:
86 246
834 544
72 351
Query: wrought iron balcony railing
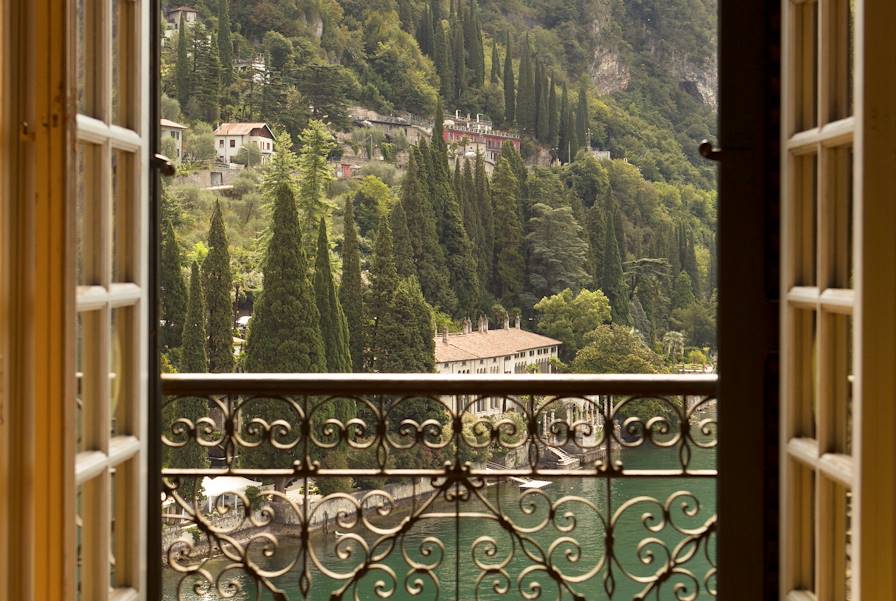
422 487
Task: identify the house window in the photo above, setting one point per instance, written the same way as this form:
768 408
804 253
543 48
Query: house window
233 143
221 143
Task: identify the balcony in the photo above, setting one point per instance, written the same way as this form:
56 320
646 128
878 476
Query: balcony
393 486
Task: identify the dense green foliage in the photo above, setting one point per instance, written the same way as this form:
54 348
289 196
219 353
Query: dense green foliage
218 286
284 335
350 287
172 290
194 358
333 325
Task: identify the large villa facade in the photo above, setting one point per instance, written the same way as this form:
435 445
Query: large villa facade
507 350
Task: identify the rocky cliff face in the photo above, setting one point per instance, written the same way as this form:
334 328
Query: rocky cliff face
613 57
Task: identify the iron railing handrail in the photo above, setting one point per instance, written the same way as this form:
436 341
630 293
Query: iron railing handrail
406 384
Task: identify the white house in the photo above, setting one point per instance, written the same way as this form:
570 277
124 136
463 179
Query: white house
175 131
187 13
508 350
230 137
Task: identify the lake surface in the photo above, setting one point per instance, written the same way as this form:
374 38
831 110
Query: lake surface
483 543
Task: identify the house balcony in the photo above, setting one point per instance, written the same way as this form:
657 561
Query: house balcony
368 486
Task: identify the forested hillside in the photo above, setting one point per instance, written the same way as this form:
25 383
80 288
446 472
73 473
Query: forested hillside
613 256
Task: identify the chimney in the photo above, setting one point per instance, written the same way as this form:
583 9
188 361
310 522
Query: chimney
516 322
445 335
468 325
483 324
506 321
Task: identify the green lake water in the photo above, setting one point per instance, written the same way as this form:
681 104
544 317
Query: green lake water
460 536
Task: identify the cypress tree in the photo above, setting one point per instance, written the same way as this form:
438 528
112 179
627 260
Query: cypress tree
404 249
444 60
452 235
564 143
572 143
689 263
218 284
496 64
508 272
284 335
458 57
613 285
541 103
509 89
525 111
378 298
205 96
350 287
429 257
474 45
582 140
486 245
315 176
183 69
333 325
553 117
194 359
172 290
225 44
408 345
426 33
436 10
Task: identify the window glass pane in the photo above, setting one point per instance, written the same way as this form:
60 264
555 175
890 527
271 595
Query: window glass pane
805 381
805 219
123 210
87 264
113 525
86 38
805 74
79 561
79 383
120 368
122 62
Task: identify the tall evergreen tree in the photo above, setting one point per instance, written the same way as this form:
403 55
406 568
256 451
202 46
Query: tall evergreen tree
172 290
205 99
426 33
508 272
218 285
613 284
458 56
525 102
225 43
509 86
194 359
284 334
315 176
383 277
351 287
553 116
582 140
452 235
496 64
541 103
407 334
333 325
475 46
404 248
444 59
486 245
564 141
429 257
183 67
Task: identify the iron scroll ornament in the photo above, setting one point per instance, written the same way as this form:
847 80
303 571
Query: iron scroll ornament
534 545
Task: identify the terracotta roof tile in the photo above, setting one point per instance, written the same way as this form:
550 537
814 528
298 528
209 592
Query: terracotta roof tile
237 129
496 343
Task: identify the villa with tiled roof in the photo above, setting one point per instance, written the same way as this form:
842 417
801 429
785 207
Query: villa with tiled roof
507 350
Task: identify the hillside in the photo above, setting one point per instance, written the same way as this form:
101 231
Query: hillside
649 66
627 240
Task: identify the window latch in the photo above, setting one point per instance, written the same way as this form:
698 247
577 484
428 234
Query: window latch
708 151
164 165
